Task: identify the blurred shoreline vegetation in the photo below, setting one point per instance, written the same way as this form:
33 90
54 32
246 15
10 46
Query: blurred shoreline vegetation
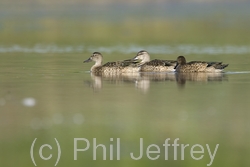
109 22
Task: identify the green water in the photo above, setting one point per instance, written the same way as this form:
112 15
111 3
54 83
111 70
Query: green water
46 92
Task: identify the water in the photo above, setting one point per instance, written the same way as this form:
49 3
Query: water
47 96
47 93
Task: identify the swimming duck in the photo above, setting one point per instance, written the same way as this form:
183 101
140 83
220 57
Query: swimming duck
110 67
154 65
198 66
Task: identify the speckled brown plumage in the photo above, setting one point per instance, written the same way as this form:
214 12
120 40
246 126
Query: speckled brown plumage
158 66
198 66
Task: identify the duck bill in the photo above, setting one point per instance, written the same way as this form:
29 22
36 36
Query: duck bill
88 60
136 60
176 66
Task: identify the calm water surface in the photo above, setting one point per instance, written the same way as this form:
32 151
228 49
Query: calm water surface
47 96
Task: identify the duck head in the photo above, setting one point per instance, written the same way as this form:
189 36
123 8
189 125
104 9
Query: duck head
96 57
142 57
181 60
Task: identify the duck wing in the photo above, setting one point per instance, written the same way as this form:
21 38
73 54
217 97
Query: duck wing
157 62
126 63
120 64
110 64
217 65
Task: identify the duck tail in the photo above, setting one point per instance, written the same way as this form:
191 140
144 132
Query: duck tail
220 65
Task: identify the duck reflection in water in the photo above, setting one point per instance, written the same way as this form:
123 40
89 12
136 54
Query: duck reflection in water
182 78
97 80
144 80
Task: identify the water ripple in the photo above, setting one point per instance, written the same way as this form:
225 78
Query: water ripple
154 49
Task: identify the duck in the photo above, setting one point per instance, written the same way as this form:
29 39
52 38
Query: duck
110 67
198 66
156 65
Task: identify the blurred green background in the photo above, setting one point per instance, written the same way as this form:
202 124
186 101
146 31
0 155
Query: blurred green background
46 91
112 22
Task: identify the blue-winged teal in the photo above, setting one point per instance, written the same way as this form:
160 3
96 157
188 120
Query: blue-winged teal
198 66
110 67
154 65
